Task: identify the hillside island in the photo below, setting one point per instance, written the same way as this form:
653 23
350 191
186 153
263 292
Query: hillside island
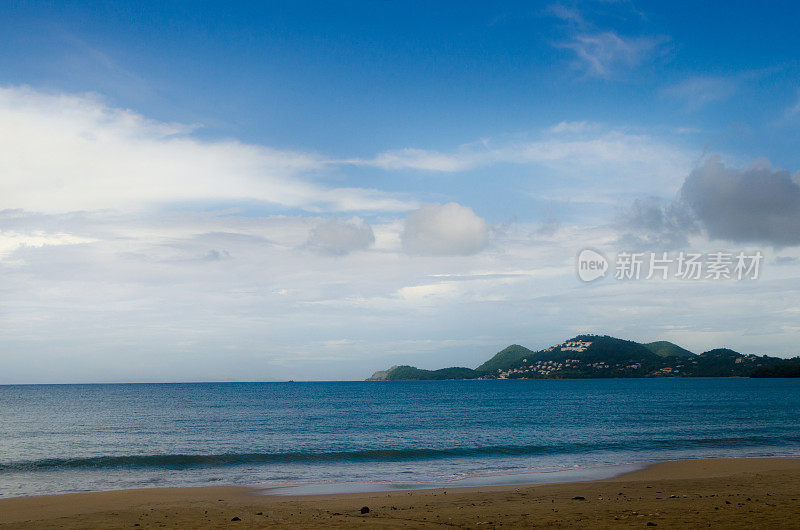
601 356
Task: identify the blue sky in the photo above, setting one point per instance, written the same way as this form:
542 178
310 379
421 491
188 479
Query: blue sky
228 142
366 77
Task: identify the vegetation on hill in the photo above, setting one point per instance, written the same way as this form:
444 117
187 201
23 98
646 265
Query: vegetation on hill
663 348
596 356
504 358
403 373
790 368
605 348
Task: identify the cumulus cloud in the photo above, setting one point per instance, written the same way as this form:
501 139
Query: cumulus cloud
338 236
142 290
754 205
758 204
75 152
607 53
444 230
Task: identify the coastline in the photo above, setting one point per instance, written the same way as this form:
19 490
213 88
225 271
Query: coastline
730 492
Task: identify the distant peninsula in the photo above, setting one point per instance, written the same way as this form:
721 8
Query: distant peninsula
601 356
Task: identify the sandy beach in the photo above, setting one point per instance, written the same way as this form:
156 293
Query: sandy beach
722 493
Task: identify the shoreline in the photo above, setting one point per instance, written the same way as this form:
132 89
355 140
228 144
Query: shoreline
520 477
727 491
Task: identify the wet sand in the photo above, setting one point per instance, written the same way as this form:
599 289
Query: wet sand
720 493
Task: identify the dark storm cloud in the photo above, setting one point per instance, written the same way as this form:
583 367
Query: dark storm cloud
754 205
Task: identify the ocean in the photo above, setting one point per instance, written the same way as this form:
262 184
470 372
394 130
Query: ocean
360 436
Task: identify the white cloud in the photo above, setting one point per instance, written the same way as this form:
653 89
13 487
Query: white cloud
68 153
794 110
700 91
338 236
582 141
143 301
417 293
444 230
127 294
574 127
422 159
567 14
581 155
607 53
11 240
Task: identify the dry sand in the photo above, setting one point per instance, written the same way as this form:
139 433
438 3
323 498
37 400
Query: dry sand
720 493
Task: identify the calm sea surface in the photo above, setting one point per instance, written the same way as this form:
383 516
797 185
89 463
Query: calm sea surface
307 437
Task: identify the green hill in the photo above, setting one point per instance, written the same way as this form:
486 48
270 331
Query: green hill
584 356
405 373
505 358
724 362
601 356
789 368
605 348
663 348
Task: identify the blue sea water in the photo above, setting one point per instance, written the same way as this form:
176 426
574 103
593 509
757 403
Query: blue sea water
340 436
